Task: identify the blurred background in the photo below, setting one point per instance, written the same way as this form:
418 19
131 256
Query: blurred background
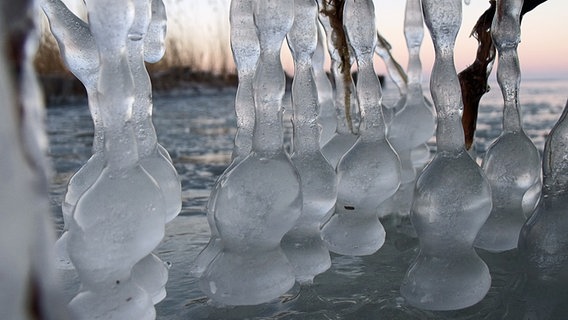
198 49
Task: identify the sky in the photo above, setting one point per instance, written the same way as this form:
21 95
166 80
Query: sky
198 34
543 51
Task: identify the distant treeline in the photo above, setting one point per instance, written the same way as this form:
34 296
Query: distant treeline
197 49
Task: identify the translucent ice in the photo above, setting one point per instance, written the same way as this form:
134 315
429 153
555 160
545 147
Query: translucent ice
260 199
397 75
246 50
452 196
338 49
121 217
512 162
303 244
369 172
327 116
543 242
153 157
80 55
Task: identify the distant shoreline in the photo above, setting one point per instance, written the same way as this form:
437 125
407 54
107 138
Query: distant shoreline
63 88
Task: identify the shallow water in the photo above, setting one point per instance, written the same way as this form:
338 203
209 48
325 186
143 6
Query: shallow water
197 128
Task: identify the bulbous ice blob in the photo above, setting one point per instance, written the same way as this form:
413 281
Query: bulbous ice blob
246 50
512 162
303 244
452 197
260 199
543 243
369 172
344 98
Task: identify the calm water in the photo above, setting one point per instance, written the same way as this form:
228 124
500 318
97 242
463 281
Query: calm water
197 128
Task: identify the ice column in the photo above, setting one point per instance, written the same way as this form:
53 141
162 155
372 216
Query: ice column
246 50
120 219
452 197
414 123
303 244
543 242
512 162
327 116
341 59
260 199
80 55
369 173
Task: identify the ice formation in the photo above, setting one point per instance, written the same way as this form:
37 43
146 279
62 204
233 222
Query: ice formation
327 116
107 222
341 59
512 162
452 197
414 123
543 242
260 199
369 173
246 50
303 244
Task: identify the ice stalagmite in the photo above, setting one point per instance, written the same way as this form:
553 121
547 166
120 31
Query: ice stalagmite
246 50
120 219
369 173
512 162
303 244
414 123
341 60
452 197
80 55
260 199
543 243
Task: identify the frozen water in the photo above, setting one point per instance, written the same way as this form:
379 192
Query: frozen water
413 124
152 156
246 51
106 222
260 199
452 196
151 273
543 242
80 55
512 162
369 172
397 75
303 244
327 116
344 136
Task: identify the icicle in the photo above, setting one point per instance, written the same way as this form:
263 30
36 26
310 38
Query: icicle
341 60
452 197
303 244
260 199
369 172
107 223
327 115
246 50
512 162
543 243
414 123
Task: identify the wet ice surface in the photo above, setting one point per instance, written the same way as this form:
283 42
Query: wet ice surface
197 128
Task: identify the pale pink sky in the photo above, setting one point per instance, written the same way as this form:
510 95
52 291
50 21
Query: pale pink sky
543 51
